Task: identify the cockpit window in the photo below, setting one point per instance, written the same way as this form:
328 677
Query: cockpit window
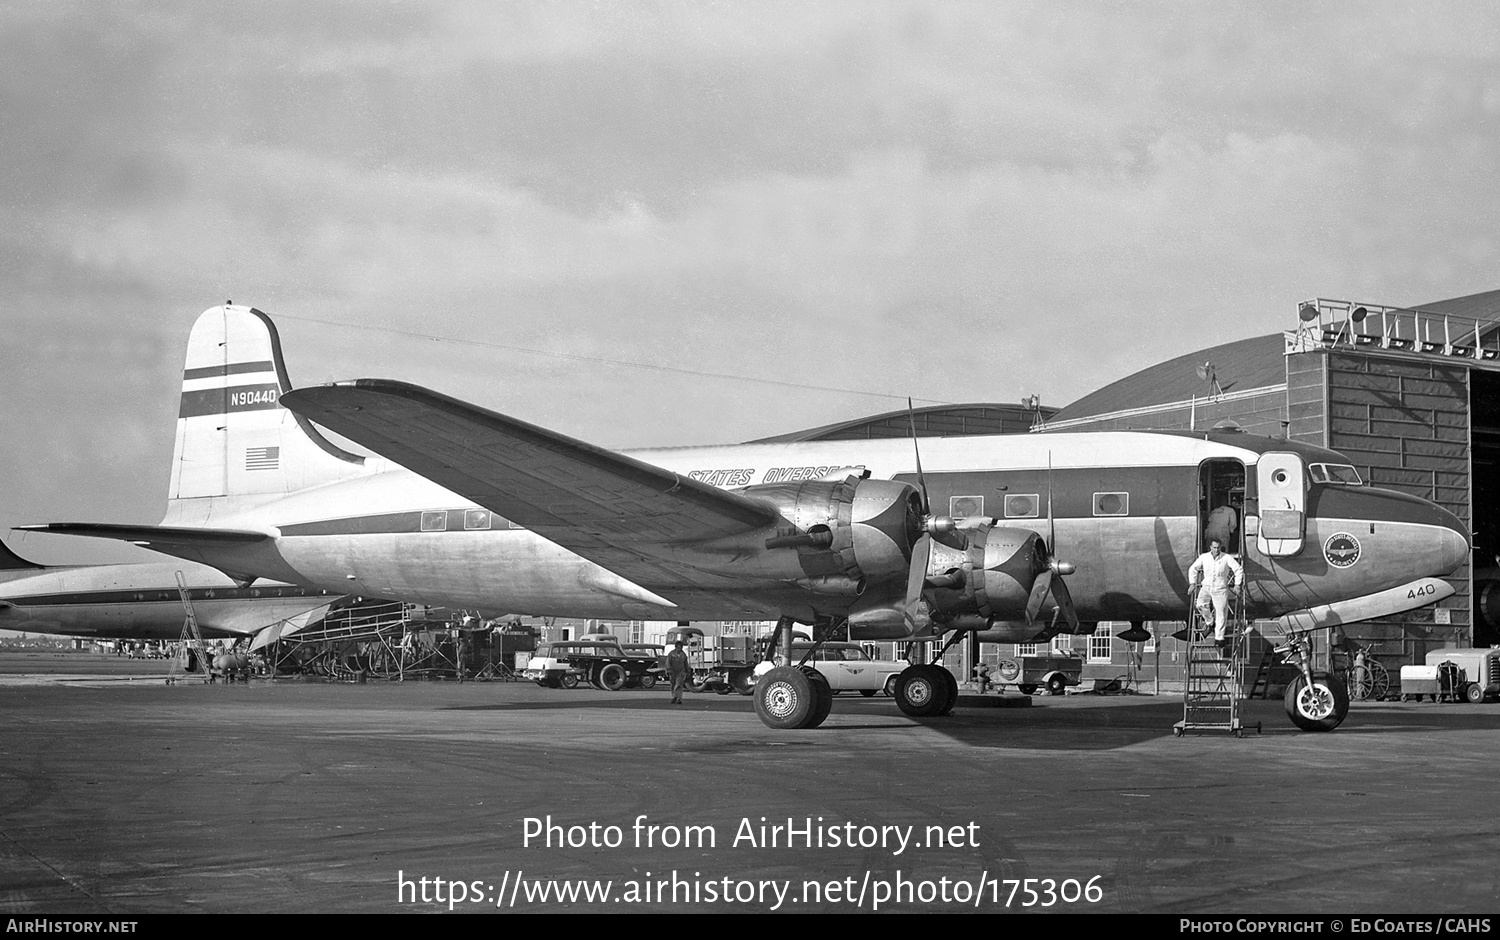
1336 473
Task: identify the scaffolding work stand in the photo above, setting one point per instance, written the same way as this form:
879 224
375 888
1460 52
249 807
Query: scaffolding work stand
1213 692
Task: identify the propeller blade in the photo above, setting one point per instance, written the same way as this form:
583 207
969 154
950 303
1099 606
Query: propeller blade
1065 602
911 416
1039 589
1051 519
921 556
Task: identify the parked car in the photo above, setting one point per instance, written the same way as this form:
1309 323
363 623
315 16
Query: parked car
848 668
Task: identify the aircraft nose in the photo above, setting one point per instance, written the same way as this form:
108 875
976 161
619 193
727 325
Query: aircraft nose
1453 538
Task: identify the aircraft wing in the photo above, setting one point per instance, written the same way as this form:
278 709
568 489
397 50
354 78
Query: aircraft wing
605 506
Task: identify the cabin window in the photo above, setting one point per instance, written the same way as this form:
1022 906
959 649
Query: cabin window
1338 474
962 507
476 518
1111 504
435 521
1021 505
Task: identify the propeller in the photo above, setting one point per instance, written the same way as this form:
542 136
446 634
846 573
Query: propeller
1050 579
933 527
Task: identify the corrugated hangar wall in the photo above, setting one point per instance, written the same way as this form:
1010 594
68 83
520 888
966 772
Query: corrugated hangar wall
1405 423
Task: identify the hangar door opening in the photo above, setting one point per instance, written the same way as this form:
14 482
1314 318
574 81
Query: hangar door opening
1484 456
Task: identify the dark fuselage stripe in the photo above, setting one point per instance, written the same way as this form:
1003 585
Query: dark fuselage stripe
234 368
217 401
154 595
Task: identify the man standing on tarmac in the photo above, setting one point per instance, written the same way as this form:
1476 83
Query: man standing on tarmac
677 671
1211 578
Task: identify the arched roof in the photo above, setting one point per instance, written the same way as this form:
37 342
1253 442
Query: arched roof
1240 365
931 421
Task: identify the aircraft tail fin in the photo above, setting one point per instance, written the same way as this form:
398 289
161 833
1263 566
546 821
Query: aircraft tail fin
12 565
235 443
10 561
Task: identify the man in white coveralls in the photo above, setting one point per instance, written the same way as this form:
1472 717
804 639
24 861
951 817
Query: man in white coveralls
1212 577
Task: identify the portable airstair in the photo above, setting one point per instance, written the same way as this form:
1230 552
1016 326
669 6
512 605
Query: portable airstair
193 655
1212 696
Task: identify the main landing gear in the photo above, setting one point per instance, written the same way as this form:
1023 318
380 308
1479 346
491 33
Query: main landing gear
788 697
926 690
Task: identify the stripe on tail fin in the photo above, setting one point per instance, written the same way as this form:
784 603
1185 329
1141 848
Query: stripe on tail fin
234 439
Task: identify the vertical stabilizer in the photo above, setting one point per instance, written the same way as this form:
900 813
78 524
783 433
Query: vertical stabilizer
10 561
234 440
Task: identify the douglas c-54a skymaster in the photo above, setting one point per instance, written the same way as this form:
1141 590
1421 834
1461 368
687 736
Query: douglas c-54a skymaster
1040 533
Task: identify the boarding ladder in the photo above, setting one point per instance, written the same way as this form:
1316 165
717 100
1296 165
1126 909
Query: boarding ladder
1212 694
191 640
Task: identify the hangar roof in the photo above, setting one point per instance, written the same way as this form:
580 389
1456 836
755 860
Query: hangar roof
931 421
1244 364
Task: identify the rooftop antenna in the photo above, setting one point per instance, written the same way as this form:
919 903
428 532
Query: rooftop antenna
1209 373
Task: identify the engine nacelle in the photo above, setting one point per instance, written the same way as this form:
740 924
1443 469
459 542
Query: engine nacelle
845 533
990 580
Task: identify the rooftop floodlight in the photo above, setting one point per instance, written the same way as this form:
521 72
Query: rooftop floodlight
1359 314
1489 354
1307 313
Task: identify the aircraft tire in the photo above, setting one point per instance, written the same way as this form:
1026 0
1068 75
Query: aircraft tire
1319 708
612 677
784 698
824 693
921 692
952 683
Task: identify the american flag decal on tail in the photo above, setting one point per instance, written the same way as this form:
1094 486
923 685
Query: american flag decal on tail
262 458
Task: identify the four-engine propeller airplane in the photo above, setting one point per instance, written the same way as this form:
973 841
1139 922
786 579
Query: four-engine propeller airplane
1018 537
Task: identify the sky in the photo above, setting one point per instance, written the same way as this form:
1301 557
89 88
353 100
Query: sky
673 223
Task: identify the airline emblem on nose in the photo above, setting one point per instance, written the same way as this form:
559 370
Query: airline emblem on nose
1341 550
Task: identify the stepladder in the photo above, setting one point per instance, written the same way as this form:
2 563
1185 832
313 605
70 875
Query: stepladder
1214 680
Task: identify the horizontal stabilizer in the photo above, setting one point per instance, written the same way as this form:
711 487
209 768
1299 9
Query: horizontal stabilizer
152 536
243 554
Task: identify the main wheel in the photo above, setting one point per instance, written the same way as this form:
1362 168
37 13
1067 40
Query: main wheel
570 680
647 681
921 692
612 677
952 683
784 698
742 681
1057 685
1318 707
824 693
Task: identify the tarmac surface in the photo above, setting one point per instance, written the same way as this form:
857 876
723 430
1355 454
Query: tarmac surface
121 795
